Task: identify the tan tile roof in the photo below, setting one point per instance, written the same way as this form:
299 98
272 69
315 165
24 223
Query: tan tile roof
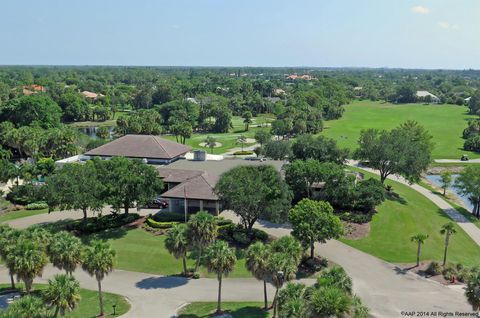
141 146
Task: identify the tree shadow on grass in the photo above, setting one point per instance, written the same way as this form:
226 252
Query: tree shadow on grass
247 311
109 234
162 282
393 196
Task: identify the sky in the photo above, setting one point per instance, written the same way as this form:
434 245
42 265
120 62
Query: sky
427 34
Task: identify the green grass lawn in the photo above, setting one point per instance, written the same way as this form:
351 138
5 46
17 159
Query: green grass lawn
88 305
8 216
397 220
229 140
444 122
107 123
236 309
140 251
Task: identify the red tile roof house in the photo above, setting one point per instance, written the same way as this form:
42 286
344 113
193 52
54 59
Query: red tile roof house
149 148
193 189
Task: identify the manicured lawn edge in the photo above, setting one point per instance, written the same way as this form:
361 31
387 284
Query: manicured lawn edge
236 309
13 215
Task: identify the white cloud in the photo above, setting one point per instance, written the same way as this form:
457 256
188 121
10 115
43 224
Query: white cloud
420 10
447 25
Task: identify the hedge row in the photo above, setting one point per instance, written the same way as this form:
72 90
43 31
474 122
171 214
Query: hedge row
160 225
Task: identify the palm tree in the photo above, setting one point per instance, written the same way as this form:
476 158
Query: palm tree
419 239
448 229
473 291
26 307
8 239
28 260
220 259
99 260
247 119
256 263
63 293
336 276
242 140
202 231
292 302
177 244
329 301
282 268
210 142
289 245
65 251
446 179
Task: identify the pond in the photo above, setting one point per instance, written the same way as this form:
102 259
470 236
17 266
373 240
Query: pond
436 180
92 131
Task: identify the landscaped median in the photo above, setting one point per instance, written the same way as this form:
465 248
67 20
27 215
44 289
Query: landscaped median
88 304
235 309
408 214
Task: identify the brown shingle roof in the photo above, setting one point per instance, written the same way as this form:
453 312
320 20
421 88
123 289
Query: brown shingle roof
177 175
141 146
200 186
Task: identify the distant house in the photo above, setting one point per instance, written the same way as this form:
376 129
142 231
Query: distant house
91 95
467 100
190 189
426 96
149 148
33 89
305 77
278 92
191 100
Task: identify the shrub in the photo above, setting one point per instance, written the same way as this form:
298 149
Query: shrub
243 153
196 275
450 271
355 217
37 206
160 225
223 222
101 223
236 234
433 269
169 217
25 194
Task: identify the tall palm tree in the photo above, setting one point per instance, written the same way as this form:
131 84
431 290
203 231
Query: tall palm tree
28 260
63 293
210 142
202 231
282 268
419 239
99 260
220 259
8 239
177 244
242 140
473 291
256 263
66 251
448 229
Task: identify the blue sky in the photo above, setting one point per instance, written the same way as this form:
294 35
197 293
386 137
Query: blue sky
329 33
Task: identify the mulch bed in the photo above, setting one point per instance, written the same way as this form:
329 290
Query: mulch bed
355 231
420 270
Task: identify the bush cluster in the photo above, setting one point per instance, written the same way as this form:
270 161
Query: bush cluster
160 225
359 218
433 269
243 153
169 217
37 206
101 223
25 194
236 234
